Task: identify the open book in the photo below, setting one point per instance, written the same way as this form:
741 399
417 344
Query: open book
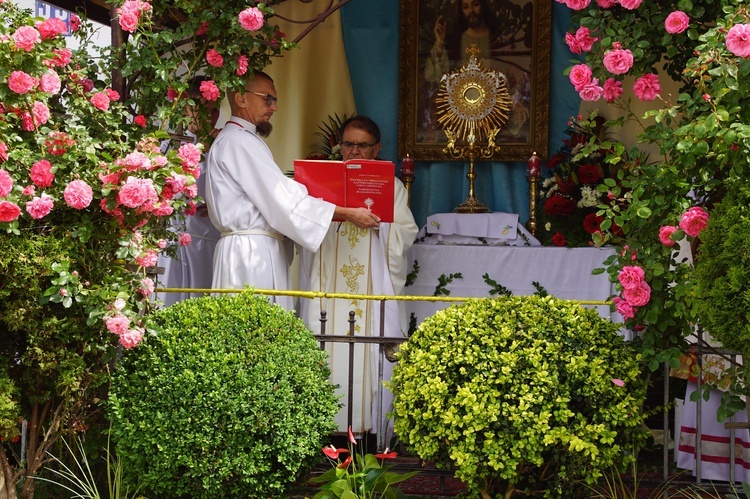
355 183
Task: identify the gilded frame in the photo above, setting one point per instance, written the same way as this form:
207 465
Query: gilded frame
527 69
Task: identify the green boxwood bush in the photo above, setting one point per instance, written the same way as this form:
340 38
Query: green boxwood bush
722 271
230 399
520 394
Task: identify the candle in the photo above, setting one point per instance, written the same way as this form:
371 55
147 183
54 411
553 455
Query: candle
407 167
535 165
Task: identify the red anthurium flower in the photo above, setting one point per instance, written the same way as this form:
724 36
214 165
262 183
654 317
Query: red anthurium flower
345 464
333 452
351 436
387 455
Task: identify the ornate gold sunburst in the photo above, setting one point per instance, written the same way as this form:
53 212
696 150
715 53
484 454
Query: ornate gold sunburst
472 102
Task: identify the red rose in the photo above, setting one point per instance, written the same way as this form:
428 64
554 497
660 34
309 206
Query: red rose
589 174
559 205
140 120
558 239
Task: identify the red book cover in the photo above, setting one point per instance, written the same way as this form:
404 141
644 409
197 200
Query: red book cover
366 183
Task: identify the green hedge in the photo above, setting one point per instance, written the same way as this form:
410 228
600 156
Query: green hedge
518 394
230 399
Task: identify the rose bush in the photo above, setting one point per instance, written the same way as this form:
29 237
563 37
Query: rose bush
702 135
87 196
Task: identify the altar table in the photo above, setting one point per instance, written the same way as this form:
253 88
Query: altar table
563 272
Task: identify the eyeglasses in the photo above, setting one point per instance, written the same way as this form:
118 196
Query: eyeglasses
270 99
360 145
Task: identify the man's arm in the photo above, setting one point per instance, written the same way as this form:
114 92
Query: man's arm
361 217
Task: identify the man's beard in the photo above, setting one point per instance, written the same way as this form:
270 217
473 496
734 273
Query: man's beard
264 128
474 21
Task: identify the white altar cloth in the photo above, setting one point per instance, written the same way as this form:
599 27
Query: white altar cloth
563 272
497 228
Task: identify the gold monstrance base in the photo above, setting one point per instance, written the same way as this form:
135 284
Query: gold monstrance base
472 204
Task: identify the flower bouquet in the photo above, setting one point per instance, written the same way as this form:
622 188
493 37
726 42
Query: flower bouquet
579 185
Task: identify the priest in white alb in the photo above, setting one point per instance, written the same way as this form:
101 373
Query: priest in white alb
354 260
255 207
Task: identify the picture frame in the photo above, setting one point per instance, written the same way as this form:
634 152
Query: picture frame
518 45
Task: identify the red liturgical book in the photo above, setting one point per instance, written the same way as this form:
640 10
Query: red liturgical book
366 183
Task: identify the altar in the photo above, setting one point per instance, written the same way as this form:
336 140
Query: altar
516 265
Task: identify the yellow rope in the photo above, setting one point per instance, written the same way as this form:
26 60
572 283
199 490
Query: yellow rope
346 296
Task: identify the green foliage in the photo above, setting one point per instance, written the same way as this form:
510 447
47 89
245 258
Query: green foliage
722 273
229 399
519 394
444 281
10 410
496 288
52 347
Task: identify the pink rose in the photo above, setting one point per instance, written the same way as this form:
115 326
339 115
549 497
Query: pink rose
6 183
191 191
623 308
580 76
630 4
29 190
135 161
241 65
606 4
584 38
75 22
693 221
146 287
618 61
202 29
185 239
137 192
131 338
177 182
26 37
40 207
577 4
41 174
50 83
128 20
209 90
639 295
573 44
58 143
738 40
214 58
676 22
612 89
27 122
591 92
62 57
113 95
9 211
189 154
118 324
647 87
41 113
78 194
191 209
631 276
51 27
20 82
148 258
251 19
3 152
100 100
665 235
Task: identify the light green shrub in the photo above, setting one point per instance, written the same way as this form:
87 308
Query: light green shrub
230 399
518 394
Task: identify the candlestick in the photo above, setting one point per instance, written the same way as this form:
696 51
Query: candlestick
535 165
407 167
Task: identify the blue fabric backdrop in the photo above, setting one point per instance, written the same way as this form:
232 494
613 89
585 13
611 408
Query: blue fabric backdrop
370 30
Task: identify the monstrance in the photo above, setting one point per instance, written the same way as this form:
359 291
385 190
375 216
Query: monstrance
473 105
